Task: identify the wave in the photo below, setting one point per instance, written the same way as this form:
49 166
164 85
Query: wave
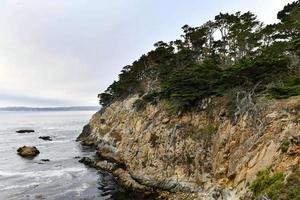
22 186
46 174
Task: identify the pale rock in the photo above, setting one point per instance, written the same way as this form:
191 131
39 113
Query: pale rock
176 153
165 120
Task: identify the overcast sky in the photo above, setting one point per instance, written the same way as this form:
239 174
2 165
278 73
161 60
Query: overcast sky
64 52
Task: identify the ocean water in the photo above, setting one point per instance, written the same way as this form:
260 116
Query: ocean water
61 178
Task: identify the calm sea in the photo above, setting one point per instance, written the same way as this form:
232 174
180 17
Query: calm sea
61 178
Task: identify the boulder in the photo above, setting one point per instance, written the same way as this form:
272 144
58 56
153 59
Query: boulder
26 151
87 161
43 161
47 138
103 165
25 131
165 120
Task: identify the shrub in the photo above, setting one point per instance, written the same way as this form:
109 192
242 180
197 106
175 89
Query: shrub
105 99
267 184
139 104
212 129
196 134
152 98
285 146
289 88
171 108
190 159
274 186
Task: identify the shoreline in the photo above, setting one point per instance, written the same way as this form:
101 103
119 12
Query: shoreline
147 187
118 170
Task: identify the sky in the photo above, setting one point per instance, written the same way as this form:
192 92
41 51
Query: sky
65 52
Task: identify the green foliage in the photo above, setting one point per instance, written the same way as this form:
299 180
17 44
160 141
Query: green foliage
212 129
139 104
172 109
288 12
285 146
267 184
196 134
296 46
250 71
290 87
292 190
200 64
105 99
152 97
190 159
184 87
274 186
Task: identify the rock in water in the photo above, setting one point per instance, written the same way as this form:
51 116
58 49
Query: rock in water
87 161
25 131
26 151
48 138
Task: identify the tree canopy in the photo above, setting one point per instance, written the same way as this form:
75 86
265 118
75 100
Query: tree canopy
233 50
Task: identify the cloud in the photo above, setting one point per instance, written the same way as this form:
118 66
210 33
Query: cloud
65 52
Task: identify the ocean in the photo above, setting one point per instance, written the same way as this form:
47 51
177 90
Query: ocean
63 177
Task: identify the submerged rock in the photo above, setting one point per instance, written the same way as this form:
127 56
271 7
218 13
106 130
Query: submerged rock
47 138
26 151
87 161
43 161
25 131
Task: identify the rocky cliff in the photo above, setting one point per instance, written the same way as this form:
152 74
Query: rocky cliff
213 152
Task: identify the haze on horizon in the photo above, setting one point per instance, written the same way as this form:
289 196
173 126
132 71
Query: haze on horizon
62 53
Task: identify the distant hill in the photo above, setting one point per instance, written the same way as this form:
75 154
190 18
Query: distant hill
70 108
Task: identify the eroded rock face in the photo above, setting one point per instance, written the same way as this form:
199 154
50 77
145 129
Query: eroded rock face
212 153
26 151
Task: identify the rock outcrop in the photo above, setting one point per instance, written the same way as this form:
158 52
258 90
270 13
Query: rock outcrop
47 138
26 151
25 131
213 152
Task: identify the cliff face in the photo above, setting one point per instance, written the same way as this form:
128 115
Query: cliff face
212 153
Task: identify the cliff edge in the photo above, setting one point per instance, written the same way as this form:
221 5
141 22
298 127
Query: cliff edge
214 152
204 117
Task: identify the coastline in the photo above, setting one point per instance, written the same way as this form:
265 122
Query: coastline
144 149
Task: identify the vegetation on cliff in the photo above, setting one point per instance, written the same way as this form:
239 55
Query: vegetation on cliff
231 51
277 185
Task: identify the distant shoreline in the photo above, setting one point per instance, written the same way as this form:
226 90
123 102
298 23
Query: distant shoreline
70 108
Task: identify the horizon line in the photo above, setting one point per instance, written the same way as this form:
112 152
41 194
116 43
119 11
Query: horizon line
59 108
